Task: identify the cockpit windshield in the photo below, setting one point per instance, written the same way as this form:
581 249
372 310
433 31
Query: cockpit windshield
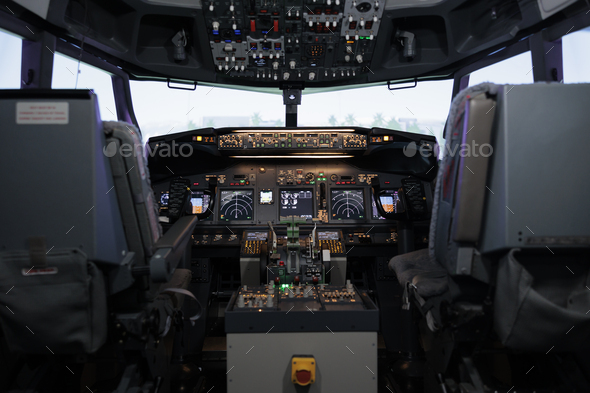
161 110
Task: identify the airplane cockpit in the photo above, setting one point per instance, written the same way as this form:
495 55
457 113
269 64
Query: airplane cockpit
297 196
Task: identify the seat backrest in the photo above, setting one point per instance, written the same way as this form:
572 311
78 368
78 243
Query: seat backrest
527 188
57 183
133 188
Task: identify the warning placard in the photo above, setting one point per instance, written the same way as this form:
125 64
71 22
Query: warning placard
42 113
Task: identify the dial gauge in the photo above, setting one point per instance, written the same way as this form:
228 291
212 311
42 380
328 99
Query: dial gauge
236 205
309 176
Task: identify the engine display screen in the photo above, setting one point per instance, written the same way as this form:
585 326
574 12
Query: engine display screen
348 204
297 202
200 201
236 205
389 200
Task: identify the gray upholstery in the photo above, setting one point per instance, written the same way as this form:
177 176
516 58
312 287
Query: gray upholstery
133 187
518 208
421 270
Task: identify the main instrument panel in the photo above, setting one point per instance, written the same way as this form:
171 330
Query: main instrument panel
255 192
305 40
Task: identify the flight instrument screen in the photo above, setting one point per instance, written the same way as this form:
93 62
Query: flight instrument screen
348 205
389 200
236 205
200 201
297 202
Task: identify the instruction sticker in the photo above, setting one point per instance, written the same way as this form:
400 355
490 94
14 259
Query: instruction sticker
42 113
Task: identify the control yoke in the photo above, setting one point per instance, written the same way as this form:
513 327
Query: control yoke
212 192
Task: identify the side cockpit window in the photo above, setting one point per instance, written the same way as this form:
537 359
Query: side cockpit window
576 57
71 74
514 70
11 49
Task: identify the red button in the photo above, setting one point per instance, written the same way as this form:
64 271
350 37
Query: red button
252 25
337 182
276 25
303 376
281 263
353 182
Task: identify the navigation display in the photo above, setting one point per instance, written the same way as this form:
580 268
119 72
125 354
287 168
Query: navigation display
297 202
348 205
200 201
236 205
389 200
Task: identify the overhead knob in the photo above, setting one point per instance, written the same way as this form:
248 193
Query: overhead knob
337 2
376 4
350 18
375 19
286 76
359 58
310 23
269 301
292 64
215 25
231 7
270 56
347 58
233 59
275 77
211 7
275 65
347 35
242 67
335 23
278 54
241 301
362 22
234 26
311 76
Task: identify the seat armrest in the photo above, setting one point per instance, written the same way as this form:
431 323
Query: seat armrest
177 233
170 249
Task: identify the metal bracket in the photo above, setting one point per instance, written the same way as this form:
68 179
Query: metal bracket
193 88
403 87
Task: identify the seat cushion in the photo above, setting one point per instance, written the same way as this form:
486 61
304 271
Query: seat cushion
421 270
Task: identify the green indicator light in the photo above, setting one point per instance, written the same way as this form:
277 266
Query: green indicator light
289 135
311 182
242 181
263 145
289 145
282 145
321 173
276 145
